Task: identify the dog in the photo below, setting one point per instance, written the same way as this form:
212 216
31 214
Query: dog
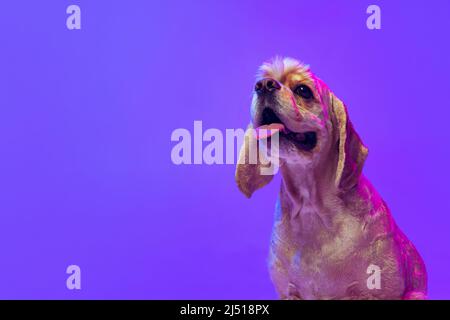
333 233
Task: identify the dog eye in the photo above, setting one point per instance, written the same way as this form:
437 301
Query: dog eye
304 92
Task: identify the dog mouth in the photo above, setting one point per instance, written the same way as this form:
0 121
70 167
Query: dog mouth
271 124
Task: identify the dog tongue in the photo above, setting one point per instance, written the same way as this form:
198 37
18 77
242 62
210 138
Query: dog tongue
268 130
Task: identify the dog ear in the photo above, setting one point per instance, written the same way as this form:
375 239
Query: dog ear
352 152
253 169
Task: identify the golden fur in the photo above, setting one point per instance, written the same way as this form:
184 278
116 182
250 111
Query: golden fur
331 224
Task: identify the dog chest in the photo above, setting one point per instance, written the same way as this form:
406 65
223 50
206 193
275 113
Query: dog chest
336 267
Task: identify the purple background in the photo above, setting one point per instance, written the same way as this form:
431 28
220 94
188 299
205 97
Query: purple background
86 117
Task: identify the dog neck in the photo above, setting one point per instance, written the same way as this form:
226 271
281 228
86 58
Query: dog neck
307 195
310 201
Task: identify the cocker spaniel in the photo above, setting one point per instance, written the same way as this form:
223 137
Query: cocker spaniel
334 236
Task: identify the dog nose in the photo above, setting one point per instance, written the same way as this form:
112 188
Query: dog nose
267 85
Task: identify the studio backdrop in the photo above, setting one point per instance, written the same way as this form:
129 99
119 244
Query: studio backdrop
94 96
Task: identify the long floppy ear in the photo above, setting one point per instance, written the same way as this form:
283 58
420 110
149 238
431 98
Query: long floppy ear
253 170
352 152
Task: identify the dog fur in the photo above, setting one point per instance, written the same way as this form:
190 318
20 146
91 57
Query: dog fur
330 224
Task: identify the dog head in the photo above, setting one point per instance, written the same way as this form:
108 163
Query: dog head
312 123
